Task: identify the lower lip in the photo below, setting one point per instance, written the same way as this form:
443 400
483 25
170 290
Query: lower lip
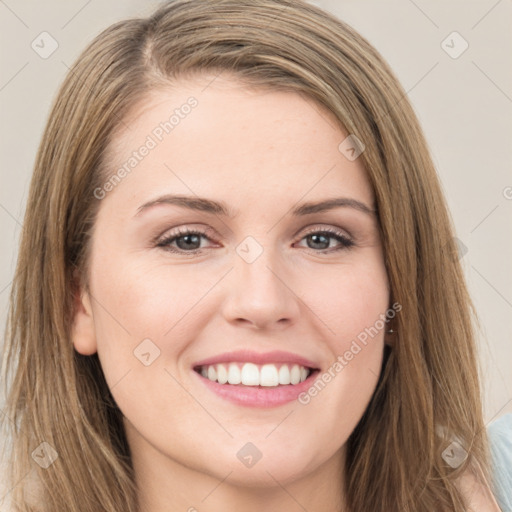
259 396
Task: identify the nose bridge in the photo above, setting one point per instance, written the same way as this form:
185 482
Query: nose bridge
258 291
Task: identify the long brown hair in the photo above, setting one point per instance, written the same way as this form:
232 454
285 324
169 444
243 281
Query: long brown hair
428 394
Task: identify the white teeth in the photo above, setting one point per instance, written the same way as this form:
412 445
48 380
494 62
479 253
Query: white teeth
294 374
269 375
222 374
234 376
212 373
250 374
284 374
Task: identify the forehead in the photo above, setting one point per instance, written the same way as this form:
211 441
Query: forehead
209 137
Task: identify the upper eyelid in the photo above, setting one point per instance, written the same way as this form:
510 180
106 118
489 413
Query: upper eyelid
330 229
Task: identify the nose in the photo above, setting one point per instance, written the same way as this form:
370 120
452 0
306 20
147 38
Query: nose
260 294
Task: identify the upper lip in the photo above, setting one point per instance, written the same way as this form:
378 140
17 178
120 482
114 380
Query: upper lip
248 356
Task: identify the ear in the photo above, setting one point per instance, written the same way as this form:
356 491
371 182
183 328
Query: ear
83 333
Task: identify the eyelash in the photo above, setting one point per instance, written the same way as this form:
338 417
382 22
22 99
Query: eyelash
345 242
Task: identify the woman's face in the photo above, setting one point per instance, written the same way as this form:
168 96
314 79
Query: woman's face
266 281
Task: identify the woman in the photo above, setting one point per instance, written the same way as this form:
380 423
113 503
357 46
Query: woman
260 370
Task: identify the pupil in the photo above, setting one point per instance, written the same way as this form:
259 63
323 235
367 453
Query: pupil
315 238
188 241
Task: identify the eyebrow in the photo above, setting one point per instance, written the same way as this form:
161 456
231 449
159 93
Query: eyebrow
220 208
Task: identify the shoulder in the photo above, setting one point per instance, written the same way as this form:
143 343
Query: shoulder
495 496
478 493
500 443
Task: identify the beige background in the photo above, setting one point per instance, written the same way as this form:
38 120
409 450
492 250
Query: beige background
464 105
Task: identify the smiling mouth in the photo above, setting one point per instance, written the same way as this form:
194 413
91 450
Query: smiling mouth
255 375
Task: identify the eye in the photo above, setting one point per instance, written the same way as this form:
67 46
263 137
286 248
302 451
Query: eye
188 241
321 237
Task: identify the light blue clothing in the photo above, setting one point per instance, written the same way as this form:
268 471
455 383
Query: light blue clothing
500 439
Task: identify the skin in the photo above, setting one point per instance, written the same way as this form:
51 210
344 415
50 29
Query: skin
262 153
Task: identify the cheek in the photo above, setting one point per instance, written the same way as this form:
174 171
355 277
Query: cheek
139 302
361 306
349 300
354 310
142 328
